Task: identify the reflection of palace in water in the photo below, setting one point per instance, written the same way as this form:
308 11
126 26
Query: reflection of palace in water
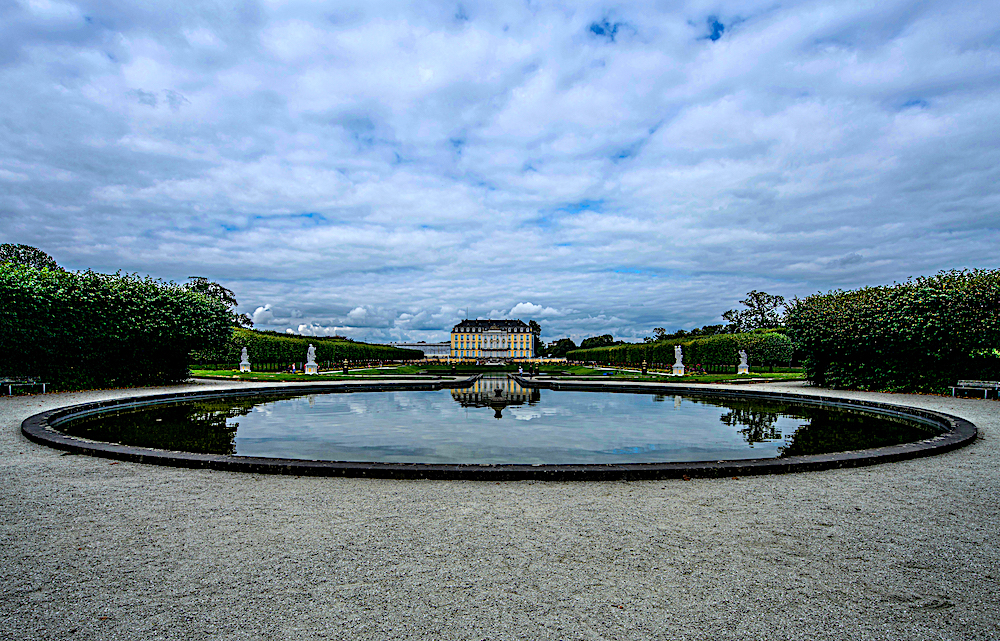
495 392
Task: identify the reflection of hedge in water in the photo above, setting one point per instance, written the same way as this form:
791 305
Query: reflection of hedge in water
199 427
822 430
845 430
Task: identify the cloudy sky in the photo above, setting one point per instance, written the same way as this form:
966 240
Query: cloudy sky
376 171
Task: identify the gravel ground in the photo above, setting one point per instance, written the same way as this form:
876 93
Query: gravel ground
94 549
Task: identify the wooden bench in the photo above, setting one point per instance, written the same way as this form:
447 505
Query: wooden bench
985 386
11 383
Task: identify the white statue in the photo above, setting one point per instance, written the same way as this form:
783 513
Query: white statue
678 368
244 361
743 367
743 358
311 366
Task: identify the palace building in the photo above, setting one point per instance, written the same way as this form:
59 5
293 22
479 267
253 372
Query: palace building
492 340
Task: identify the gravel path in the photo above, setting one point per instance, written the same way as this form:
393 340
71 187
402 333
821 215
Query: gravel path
92 549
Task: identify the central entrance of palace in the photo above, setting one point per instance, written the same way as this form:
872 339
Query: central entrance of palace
495 344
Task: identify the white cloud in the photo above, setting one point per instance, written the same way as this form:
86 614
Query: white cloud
377 171
534 311
262 315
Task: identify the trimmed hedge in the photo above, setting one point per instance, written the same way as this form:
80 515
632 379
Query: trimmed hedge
84 329
920 335
272 347
763 348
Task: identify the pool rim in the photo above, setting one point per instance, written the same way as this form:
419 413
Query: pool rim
958 432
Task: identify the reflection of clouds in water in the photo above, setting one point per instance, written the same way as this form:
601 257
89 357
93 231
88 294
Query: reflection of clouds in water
357 407
523 413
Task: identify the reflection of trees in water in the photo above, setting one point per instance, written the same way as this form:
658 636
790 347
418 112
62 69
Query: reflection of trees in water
839 431
756 424
201 426
821 430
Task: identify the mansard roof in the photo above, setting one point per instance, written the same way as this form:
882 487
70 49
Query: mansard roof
484 325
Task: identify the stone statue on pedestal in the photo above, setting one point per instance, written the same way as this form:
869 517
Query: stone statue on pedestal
678 368
244 361
311 366
743 367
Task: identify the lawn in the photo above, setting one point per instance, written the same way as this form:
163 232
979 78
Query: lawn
406 370
707 378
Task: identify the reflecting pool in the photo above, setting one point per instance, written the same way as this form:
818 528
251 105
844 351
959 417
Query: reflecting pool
497 421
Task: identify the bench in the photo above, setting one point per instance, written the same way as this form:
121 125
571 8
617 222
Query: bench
11 383
985 386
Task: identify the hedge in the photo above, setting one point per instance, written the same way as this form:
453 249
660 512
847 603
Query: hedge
763 348
85 329
919 335
272 347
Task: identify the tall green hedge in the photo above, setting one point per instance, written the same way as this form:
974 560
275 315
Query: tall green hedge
763 348
272 347
920 335
84 329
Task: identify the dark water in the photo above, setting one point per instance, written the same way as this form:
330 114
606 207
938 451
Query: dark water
497 421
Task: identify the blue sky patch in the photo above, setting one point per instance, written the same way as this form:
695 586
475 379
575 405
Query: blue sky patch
715 28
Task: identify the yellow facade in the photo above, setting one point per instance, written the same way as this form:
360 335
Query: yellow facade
492 340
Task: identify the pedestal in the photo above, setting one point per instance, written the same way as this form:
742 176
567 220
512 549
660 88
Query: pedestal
312 368
244 367
678 370
742 369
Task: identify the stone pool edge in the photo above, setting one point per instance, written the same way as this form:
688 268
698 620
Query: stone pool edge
959 432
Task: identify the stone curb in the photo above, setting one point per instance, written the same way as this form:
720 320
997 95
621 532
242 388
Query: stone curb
958 432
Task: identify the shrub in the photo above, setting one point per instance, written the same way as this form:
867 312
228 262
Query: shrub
920 335
763 348
272 347
84 329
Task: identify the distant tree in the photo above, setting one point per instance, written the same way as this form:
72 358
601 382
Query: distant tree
559 348
761 313
709 330
597 341
660 334
209 288
26 255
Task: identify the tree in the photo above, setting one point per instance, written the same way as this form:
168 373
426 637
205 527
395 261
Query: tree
536 332
209 288
660 334
597 341
761 313
559 348
26 255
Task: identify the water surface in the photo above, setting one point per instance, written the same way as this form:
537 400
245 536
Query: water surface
497 421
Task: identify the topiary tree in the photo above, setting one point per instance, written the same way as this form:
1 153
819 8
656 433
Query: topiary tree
920 335
84 329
